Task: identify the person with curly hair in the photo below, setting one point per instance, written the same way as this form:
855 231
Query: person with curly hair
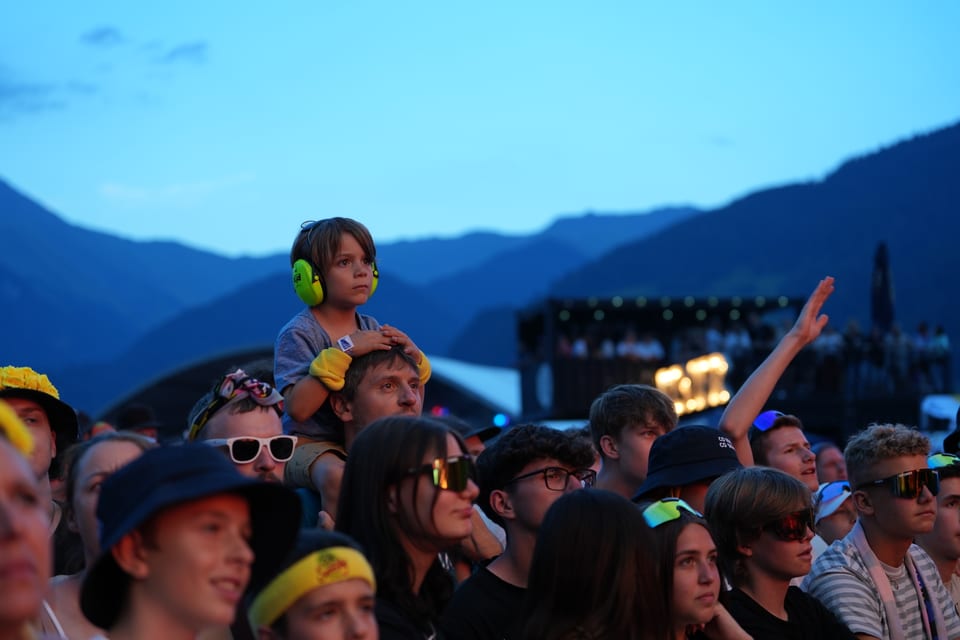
876 580
525 471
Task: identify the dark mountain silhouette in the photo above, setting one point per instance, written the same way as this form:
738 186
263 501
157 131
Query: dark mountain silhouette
96 292
590 235
247 319
143 309
782 240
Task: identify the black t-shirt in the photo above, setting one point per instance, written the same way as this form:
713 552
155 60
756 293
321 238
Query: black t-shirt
806 618
484 607
395 625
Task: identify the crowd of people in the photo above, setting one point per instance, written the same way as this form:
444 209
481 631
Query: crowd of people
882 361
314 501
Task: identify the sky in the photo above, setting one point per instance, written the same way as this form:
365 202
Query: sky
224 125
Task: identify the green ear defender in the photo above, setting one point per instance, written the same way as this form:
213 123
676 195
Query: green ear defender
309 287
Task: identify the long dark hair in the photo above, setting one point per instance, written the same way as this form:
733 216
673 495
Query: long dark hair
664 549
381 457
593 572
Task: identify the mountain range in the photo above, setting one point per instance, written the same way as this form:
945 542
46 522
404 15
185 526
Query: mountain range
105 315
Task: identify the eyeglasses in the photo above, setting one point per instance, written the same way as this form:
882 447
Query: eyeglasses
453 474
831 491
246 449
941 460
909 484
666 510
791 527
558 478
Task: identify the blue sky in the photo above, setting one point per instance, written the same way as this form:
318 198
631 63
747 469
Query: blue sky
224 125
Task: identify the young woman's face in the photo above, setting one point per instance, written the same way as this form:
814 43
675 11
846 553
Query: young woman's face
448 520
24 543
696 579
93 468
335 612
198 560
349 279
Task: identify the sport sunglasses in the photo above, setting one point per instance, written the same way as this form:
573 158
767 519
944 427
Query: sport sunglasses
246 449
908 484
793 526
831 491
763 422
941 460
666 510
453 474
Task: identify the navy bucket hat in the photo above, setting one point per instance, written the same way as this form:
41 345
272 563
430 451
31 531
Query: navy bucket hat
686 455
172 475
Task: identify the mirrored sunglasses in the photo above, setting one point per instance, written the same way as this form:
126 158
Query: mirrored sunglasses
246 449
941 460
908 484
762 423
453 474
766 419
831 491
666 510
792 527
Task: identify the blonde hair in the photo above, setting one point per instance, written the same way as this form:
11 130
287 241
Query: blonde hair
880 442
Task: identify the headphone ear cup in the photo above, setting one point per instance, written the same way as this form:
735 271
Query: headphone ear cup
375 281
306 282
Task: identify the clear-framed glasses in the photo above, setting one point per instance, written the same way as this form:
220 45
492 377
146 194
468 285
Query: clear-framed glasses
246 448
909 484
558 478
667 510
452 474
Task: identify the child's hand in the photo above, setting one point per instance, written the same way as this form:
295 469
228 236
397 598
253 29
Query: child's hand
367 341
399 337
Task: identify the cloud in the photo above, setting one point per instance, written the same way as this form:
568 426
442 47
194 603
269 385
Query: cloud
103 37
28 97
195 52
183 193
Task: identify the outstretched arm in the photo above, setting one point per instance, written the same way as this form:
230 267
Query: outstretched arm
749 400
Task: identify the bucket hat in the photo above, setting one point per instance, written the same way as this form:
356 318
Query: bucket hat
172 475
24 382
686 455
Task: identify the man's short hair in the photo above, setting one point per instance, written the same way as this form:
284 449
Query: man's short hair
758 438
627 405
880 442
519 446
362 364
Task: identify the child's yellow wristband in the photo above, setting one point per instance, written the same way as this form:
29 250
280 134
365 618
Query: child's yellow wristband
330 366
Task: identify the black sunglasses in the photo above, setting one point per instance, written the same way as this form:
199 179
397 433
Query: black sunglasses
246 449
453 474
908 484
793 526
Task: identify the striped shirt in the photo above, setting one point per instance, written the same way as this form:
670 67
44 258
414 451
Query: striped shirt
841 581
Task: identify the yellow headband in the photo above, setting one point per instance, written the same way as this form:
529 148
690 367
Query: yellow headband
318 569
15 431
